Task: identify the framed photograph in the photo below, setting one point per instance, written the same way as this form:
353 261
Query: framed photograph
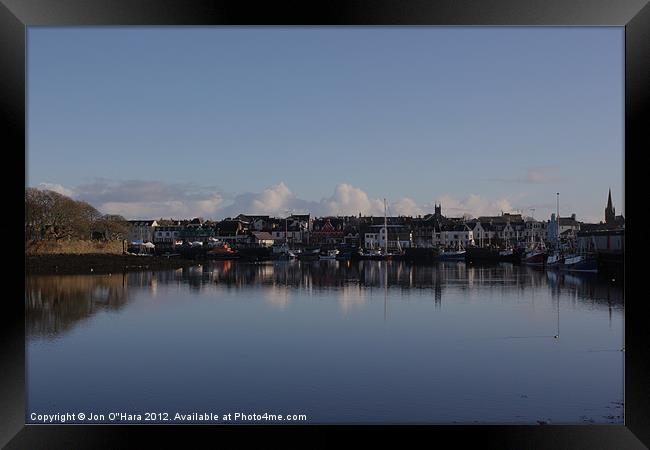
402 216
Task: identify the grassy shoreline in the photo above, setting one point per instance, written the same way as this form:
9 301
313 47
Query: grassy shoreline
98 263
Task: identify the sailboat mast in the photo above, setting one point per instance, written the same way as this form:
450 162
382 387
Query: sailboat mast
557 234
385 229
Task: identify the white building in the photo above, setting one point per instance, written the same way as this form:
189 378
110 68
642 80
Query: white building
483 233
396 236
166 235
453 235
535 231
294 237
142 230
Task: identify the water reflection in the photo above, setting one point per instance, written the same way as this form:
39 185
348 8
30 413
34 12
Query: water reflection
54 303
368 341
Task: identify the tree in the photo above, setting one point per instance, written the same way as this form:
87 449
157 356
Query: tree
50 215
112 227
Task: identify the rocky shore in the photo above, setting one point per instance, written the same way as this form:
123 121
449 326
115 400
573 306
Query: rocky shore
51 264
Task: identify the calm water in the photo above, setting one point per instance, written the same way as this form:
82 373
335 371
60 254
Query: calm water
337 341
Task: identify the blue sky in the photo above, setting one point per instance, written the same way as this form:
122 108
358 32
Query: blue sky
212 121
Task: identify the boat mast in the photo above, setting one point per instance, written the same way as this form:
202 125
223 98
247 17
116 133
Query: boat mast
557 231
385 229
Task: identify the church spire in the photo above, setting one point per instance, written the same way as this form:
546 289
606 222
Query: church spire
609 199
610 214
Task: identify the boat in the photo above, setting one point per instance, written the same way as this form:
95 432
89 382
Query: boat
347 253
554 259
579 263
330 255
451 255
370 253
535 256
510 254
482 254
221 250
384 254
309 254
421 254
283 252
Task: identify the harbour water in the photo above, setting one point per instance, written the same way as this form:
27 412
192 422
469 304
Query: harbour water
337 341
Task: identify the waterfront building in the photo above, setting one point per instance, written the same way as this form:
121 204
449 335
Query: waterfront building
256 222
535 230
603 240
196 234
424 229
565 224
451 235
167 234
394 237
262 238
142 230
230 227
327 231
483 232
351 236
294 229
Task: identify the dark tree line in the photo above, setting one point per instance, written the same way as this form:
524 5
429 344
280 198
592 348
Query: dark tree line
53 216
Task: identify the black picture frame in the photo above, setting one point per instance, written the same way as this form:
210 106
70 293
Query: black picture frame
17 15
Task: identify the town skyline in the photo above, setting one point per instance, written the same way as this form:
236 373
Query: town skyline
346 200
213 121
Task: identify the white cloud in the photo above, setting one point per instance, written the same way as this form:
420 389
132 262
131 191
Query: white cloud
273 199
278 199
475 205
407 207
174 208
138 199
349 200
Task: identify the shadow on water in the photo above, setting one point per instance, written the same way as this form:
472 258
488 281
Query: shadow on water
55 303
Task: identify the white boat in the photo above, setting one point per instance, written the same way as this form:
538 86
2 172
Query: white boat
283 252
580 263
554 259
331 254
451 255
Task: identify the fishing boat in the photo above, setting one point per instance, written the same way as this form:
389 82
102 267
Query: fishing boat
510 254
535 256
452 255
580 263
554 259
